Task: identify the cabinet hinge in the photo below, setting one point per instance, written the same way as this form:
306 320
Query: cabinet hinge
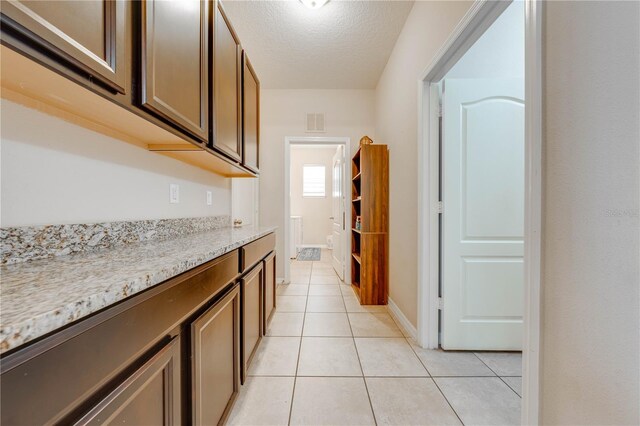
440 207
440 303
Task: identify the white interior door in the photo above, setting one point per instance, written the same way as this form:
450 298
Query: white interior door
483 216
337 226
244 200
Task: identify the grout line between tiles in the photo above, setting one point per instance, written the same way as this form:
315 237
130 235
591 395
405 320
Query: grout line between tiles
482 361
366 387
295 379
429 373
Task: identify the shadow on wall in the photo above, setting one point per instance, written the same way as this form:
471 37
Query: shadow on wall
24 125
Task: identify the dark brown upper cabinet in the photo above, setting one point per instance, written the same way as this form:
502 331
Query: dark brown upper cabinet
227 66
250 115
174 63
90 35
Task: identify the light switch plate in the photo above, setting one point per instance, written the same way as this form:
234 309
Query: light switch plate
174 193
209 198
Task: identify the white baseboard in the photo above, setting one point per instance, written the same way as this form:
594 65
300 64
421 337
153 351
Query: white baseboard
397 315
279 280
313 246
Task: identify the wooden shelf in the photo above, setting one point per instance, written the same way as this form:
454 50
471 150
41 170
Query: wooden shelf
370 198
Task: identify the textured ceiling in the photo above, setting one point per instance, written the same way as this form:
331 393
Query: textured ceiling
343 45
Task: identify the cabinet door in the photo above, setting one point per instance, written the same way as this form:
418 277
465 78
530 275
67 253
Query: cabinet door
91 35
226 88
175 62
250 115
215 361
269 289
252 297
149 396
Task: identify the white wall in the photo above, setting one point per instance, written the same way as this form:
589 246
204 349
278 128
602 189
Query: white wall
428 26
590 281
349 113
499 52
315 212
55 172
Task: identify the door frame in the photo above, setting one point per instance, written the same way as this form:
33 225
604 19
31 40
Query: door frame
315 140
481 16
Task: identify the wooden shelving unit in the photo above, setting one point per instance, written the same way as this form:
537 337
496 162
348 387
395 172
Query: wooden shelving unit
369 244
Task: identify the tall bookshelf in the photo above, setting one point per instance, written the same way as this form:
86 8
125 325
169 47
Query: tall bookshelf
369 244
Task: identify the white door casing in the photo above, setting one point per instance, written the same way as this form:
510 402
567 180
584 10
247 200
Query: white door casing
483 215
338 213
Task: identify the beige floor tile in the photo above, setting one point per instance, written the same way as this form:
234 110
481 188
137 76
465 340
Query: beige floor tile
373 325
328 356
291 303
325 304
514 383
299 278
388 357
347 290
481 400
452 363
409 401
353 305
326 325
323 272
324 290
331 401
276 356
252 408
293 290
503 363
324 280
285 324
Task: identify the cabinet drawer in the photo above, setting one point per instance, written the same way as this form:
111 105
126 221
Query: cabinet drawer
215 362
254 252
149 396
102 346
269 265
252 299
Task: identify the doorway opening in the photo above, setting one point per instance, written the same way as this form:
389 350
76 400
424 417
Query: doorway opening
316 208
479 191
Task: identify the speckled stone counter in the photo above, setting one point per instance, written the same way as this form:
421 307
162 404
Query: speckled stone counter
40 296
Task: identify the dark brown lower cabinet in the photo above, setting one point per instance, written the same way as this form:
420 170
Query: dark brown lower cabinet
252 297
172 354
269 265
215 361
150 396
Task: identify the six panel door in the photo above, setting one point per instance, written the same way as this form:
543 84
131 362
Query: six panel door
250 115
174 65
91 35
215 362
252 296
150 396
226 96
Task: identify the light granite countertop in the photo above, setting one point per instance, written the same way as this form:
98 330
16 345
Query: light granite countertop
41 296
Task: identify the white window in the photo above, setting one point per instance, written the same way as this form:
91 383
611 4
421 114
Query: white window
313 181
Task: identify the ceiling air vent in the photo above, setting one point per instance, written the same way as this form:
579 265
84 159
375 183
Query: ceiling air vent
315 122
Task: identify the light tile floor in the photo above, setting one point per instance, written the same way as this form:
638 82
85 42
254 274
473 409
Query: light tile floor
327 360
